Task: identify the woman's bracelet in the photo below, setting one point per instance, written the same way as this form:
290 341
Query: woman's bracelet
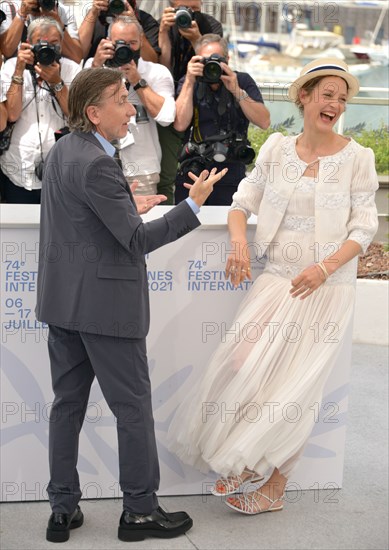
323 268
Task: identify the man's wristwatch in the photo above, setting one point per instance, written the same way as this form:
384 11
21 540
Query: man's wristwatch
242 96
57 87
141 84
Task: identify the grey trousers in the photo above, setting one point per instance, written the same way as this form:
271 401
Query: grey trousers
120 365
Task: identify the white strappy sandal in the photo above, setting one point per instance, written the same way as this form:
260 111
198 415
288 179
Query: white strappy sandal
234 484
249 503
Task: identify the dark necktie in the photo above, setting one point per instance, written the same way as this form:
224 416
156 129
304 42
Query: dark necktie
115 143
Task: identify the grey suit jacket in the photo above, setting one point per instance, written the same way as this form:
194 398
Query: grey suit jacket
92 273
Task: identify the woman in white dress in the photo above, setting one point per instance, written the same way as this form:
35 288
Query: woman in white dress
314 198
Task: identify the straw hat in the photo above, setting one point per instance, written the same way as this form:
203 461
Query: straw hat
327 66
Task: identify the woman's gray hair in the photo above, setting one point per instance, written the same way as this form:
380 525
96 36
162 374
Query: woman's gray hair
212 39
126 21
43 24
86 89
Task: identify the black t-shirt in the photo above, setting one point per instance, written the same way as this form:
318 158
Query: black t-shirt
210 122
149 25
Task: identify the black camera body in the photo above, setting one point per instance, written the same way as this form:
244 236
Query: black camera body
45 5
115 7
46 53
123 55
184 17
196 157
212 68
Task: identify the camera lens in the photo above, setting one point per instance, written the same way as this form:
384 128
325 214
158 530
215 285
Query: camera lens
3 17
123 55
116 7
184 18
245 153
212 71
44 53
195 166
220 151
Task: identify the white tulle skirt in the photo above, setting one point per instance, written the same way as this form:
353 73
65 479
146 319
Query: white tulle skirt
255 405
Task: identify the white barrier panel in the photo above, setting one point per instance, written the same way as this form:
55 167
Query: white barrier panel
191 305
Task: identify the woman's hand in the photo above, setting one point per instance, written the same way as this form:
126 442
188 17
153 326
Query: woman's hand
307 282
238 263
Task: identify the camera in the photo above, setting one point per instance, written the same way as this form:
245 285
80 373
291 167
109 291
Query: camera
39 170
123 55
45 5
196 157
3 17
184 17
141 115
212 68
46 53
61 132
241 150
115 7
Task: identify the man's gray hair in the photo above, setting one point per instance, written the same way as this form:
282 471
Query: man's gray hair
126 21
212 39
43 24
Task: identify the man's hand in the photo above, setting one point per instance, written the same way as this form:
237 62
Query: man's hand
105 50
49 73
131 72
195 68
128 12
168 20
28 6
144 203
230 79
192 34
25 57
203 185
99 6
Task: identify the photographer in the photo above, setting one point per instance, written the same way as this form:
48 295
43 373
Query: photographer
178 37
95 25
21 12
151 91
35 92
178 34
215 105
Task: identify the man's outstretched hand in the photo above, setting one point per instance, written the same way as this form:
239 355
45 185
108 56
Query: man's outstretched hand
202 187
144 203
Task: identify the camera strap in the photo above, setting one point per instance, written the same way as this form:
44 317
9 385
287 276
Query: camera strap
52 97
225 102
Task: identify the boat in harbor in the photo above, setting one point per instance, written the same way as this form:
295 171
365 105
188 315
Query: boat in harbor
269 59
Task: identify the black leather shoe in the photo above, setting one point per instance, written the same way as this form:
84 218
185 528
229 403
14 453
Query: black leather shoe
60 525
159 524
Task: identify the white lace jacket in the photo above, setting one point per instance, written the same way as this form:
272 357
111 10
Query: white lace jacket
344 193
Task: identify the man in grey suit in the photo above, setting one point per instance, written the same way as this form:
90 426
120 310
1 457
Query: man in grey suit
93 293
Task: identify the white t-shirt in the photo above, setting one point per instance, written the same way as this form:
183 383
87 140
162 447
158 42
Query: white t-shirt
18 163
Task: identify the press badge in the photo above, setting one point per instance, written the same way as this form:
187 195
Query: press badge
127 140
